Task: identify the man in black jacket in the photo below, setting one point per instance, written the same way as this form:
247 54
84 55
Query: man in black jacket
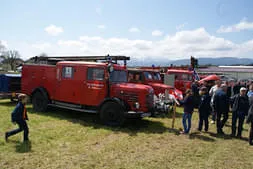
221 106
250 119
240 106
19 116
204 108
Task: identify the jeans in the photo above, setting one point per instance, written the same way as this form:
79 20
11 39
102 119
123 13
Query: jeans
22 127
220 123
203 117
241 117
187 117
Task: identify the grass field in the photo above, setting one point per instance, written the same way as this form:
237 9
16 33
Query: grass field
66 139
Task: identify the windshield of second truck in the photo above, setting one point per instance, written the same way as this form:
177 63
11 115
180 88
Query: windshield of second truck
118 76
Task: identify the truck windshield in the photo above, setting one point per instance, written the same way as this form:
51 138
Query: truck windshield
118 76
148 76
157 76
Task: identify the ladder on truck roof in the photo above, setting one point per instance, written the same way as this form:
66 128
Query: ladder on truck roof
52 60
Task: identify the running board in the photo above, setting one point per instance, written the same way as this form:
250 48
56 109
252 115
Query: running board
72 108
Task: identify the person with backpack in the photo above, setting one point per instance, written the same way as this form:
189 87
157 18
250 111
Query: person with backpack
221 107
212 94
19 116
204 108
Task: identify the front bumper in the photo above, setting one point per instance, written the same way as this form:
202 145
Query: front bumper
133 114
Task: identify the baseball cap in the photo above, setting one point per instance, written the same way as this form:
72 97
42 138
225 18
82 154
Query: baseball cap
243 89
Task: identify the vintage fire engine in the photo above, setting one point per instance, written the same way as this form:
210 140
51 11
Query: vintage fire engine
165 95
96 84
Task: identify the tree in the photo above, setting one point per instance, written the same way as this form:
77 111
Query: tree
43 54
11 58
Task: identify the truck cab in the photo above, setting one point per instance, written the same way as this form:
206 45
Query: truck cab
89 87
182 78
153 79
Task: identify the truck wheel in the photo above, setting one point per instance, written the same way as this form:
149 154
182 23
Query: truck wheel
39 102
251 135
112 114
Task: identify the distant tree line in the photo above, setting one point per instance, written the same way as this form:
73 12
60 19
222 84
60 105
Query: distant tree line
11 59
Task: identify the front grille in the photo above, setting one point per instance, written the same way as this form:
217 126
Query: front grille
130 97
150 100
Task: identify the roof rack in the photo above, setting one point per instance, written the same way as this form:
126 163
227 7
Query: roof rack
52 60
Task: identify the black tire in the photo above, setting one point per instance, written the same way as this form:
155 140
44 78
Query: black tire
251 135
39 101
112 114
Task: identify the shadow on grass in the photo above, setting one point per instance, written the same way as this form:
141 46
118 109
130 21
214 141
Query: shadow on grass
200 137
132 126
222 136
7 103
24 147
169 115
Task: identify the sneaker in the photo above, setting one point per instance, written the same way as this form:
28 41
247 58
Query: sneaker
221 132
183 132
232 135
239 136
212 122
6 137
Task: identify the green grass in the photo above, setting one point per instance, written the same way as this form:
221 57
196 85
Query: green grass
66 139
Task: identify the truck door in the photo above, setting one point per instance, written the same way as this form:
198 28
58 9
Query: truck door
66 89
95 86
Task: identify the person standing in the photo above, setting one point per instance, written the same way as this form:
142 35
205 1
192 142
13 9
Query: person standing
249 119
19 116
188 104
204 108
221 107
212 94
240 106
250 92
195 91
237 87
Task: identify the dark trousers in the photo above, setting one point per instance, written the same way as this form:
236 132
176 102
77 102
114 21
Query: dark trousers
22 127
220 123
237 116
203 117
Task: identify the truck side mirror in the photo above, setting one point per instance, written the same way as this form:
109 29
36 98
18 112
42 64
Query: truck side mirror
110 68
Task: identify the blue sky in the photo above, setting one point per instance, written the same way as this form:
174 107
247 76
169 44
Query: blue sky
140 28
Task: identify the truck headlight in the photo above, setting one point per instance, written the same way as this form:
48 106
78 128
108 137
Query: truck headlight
136 105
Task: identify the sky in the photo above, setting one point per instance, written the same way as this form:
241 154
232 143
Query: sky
142 29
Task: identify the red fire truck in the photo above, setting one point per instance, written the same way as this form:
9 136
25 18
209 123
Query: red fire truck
152 78
182 78
73 83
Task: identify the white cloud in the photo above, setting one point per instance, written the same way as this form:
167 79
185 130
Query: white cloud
134 29
98 11
101 26
69 43
242 25
41 46
180 45
53 30
157 33
3 44
181 26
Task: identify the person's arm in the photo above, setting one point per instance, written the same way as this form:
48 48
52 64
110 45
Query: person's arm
211 91
232 100
182 102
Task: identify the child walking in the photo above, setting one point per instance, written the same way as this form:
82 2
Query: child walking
19 116
188 104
